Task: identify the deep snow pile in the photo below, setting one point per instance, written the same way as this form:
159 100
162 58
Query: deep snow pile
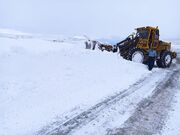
42 80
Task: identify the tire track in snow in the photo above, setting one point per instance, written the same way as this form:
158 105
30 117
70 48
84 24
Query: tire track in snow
92 114
151 113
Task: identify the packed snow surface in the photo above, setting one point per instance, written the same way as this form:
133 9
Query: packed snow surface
172 126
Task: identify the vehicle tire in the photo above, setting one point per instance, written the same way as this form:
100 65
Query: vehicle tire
136 55
166 59
159 63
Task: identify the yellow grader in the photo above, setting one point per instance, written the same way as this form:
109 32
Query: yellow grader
135 47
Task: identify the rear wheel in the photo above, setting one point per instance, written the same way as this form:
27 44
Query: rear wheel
136 55
165 60
159 63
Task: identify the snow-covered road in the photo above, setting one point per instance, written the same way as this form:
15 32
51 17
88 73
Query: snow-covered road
141 109
152 113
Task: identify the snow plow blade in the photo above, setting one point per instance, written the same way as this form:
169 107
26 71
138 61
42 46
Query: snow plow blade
92 44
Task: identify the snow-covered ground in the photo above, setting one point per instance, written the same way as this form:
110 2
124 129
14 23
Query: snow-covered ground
172 126
42 80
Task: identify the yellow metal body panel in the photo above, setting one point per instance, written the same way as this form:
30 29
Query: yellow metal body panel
143 44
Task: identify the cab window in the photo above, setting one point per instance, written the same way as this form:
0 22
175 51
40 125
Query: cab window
143 34
157 34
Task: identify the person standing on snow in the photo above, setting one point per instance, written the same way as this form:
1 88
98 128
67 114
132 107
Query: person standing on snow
152 56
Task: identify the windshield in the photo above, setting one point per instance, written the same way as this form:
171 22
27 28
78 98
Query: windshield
143 34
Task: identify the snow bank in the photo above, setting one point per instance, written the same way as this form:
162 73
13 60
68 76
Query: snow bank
42 80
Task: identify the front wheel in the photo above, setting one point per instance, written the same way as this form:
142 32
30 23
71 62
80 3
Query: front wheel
136 55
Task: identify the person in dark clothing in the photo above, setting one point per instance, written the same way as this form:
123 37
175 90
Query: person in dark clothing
151 58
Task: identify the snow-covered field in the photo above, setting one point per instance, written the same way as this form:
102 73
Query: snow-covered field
42 80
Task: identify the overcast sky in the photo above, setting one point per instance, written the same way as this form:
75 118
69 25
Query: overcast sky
102 18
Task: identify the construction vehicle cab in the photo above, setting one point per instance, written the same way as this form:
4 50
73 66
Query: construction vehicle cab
148 37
